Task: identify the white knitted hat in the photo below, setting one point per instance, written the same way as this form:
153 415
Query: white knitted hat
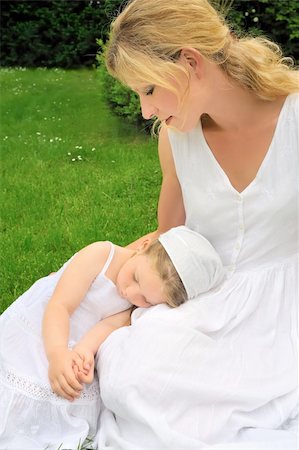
195 259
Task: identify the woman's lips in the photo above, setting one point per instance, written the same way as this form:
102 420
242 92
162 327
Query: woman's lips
167 121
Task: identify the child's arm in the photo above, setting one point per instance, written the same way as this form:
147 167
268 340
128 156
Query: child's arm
69 292
88 346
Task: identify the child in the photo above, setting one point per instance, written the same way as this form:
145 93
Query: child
38 331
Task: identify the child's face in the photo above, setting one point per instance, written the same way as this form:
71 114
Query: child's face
139 283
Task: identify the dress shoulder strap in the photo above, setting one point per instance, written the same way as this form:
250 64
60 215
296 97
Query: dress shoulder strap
109 259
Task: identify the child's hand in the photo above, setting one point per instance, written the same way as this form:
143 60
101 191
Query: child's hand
62 375
85 372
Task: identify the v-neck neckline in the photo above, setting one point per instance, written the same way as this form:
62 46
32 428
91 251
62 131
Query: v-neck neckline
263 164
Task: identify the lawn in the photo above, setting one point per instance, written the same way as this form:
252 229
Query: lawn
72 173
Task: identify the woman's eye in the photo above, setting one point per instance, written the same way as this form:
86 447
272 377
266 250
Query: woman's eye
149 90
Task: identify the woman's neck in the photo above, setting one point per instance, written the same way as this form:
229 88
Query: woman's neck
233 108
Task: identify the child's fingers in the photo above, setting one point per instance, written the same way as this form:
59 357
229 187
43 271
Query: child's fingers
78 361
86 359
86 378
88 363
63 389
71 379
76 371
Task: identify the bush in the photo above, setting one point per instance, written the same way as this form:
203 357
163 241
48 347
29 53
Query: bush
51 33
278 20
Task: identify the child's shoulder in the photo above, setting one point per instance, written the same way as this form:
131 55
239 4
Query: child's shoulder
96 252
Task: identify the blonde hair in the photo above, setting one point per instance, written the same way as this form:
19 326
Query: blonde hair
147 37
174 290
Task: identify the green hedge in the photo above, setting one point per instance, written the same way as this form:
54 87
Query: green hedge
63 33
51 33
276 19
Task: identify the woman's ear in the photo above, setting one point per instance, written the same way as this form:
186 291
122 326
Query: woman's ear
192 59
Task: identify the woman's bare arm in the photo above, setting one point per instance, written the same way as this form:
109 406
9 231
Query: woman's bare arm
171 211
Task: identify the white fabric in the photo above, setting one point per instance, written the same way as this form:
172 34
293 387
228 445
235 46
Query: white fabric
32 417
219 372
196 261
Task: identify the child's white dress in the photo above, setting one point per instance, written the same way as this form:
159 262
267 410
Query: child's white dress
31 415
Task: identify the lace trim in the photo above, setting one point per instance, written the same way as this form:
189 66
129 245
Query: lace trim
43 392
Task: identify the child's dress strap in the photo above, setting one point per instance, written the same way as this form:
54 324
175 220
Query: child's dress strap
109 259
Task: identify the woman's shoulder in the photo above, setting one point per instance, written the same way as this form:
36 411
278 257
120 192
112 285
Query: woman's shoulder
289 115
292 103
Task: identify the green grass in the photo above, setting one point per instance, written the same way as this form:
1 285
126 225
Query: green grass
72 173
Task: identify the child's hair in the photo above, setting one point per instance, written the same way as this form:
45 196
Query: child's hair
147 37
175 292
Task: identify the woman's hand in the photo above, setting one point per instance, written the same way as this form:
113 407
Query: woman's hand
62 375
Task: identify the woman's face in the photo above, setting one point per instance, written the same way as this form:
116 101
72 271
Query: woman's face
181 111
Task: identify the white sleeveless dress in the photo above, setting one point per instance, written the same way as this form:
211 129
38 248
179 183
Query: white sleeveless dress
32 417
222 369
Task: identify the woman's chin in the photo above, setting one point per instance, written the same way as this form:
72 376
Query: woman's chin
180 125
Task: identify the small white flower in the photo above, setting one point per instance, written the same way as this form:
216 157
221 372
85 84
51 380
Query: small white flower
253 10
69 153
79 158
93 149
73 159
38 133
246 14
51 140
255 19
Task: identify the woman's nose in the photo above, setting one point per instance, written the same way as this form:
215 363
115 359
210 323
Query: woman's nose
147 109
